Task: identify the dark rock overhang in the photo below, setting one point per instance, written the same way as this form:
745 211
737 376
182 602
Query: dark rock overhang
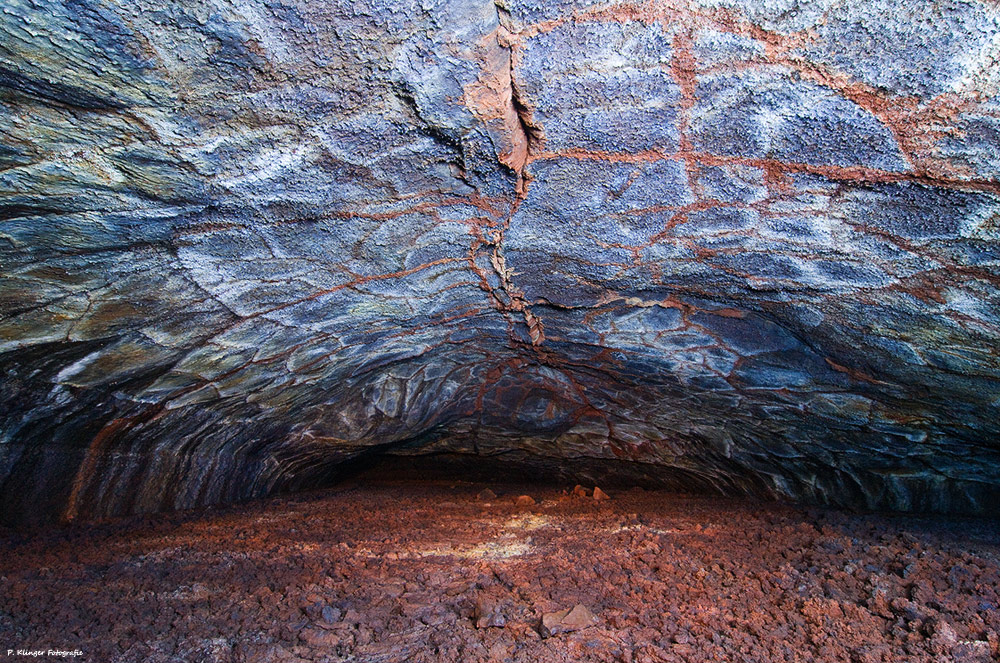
743 247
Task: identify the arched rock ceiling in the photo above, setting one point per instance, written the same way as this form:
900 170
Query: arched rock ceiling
748 246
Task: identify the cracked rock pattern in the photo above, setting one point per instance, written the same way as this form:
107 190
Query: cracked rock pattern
741 246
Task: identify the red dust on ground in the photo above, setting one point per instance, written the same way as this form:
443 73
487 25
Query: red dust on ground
452 572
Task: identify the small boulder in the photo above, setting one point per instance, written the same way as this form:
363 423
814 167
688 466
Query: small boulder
487 613
600 495
330 614
580 491
971 651
525 500
319 638
486 495
565 621
943 636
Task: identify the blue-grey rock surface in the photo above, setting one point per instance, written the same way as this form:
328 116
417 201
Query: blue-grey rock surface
741 246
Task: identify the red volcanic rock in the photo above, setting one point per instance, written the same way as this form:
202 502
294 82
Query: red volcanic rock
566 621
383 574
488 612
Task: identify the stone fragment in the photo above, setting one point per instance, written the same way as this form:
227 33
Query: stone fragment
579 491
943 636
487 613
971 651
486 495
320 638
600 495
564 621
394 588
314 608
525 500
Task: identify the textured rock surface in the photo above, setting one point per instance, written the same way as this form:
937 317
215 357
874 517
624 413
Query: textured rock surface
744 246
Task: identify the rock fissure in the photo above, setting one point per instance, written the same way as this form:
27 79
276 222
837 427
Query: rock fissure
495 98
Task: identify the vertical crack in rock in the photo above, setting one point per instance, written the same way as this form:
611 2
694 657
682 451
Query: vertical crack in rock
495 100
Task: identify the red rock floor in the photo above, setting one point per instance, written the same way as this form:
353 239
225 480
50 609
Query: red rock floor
405 572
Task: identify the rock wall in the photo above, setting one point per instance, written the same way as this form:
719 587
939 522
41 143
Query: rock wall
739 246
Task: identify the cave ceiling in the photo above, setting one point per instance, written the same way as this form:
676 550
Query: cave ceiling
741 246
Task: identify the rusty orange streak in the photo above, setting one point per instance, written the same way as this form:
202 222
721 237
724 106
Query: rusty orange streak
101 442
774 167
854 374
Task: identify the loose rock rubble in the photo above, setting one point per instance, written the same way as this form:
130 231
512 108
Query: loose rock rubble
428 572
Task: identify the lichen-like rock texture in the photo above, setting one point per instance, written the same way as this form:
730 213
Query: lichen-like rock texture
748 246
